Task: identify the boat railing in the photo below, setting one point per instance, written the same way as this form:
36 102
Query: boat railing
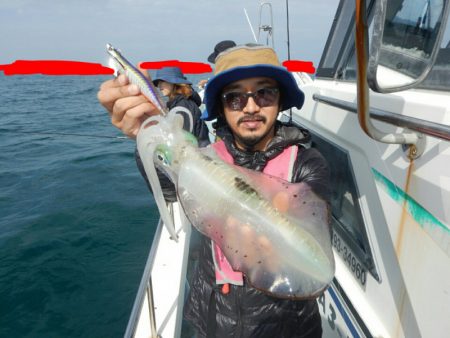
419 125
158 306
145 287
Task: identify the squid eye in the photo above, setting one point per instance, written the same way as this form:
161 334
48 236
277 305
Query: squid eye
162 158
163 155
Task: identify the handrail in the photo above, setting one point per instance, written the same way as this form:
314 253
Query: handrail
143 286
362 92
422 126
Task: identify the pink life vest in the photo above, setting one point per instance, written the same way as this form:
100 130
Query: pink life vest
280 166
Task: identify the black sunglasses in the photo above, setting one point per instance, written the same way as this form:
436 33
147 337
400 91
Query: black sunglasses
263 97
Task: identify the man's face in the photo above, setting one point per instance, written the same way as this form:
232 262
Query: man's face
251 119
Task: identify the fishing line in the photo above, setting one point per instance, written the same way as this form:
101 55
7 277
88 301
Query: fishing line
287 30
63 134
288 48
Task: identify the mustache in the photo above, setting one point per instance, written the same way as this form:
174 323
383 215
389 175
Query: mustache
250 118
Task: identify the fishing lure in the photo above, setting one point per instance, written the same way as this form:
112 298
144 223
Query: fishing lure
122 66
284 248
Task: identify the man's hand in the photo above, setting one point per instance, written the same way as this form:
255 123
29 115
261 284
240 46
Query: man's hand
126 105
248 249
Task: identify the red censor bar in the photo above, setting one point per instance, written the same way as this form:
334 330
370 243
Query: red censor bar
299 66
186 67
55 67
62 67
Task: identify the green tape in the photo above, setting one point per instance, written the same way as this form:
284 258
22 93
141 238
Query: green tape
417 212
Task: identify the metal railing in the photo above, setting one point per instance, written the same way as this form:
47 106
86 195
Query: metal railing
422 126
145 287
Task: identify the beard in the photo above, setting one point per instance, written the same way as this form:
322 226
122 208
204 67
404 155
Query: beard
249 142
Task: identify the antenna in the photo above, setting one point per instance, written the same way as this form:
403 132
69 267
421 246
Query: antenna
250 24
266 28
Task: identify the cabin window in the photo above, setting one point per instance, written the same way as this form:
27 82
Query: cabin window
340 42
339 34
439 76
349 239
349 72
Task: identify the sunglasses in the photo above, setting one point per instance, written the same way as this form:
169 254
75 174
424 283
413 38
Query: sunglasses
264 97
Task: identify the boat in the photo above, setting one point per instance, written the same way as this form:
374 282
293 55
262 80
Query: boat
389 149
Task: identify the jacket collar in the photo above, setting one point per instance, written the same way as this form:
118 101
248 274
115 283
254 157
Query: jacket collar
285 136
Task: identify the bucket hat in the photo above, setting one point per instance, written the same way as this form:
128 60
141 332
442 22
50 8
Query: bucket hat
219 48
170 74
248 61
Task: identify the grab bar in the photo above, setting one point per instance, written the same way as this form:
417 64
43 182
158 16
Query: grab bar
422 126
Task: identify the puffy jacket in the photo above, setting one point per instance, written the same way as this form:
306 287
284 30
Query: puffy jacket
246 311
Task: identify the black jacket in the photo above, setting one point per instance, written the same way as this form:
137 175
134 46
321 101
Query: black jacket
199 129
245 311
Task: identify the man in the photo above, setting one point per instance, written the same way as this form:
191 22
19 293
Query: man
246 94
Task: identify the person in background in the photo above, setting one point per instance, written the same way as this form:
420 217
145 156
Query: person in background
181 97
246 94
218 48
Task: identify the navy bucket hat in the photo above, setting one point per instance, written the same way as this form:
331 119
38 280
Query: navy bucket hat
170 74
248 61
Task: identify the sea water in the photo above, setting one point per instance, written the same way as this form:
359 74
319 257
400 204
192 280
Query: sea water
76 218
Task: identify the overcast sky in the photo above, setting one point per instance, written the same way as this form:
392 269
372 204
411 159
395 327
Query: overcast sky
154 30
